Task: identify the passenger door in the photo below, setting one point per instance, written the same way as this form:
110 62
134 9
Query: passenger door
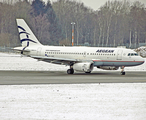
119 54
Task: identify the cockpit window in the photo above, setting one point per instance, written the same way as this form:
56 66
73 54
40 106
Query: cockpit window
132 54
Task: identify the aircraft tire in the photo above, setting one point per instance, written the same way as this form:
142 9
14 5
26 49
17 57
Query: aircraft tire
70 71
88 72
123 73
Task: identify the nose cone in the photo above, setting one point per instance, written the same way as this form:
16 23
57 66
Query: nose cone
142 60
139 60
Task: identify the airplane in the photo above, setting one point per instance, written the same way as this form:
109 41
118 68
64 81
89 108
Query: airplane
80 59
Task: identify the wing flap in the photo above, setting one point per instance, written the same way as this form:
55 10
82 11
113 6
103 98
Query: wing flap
55 60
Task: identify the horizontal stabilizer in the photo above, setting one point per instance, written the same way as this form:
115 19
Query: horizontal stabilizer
21 49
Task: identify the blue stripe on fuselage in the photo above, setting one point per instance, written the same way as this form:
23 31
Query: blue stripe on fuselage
117 63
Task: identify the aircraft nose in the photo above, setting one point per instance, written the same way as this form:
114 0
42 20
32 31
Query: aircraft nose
142 60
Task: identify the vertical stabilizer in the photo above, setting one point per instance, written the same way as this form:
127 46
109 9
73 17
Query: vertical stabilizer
27 38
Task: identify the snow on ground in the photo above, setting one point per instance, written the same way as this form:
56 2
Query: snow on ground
68 101
16 62
73 102
141 51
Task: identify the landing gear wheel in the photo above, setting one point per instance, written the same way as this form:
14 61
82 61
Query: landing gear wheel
88 72
122 73
70 71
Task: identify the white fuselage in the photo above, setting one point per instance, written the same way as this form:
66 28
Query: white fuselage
101 56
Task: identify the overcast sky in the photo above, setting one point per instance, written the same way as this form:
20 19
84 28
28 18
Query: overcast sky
95 4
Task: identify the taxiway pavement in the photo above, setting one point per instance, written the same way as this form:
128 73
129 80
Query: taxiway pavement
61 77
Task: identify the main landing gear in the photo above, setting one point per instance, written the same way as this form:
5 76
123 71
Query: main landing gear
122 71
71 70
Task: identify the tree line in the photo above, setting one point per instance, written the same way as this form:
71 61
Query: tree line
114 23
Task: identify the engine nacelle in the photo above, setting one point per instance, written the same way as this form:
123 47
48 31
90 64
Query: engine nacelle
83 67
108 67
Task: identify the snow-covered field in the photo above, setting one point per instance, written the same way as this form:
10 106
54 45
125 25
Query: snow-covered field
16 62
68 101
73 102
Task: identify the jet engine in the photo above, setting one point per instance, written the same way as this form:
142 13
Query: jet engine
83 67
108 67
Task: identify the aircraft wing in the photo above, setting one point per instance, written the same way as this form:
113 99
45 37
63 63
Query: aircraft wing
62 61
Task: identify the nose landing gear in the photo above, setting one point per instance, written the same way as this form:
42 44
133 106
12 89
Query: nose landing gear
70 71
122 71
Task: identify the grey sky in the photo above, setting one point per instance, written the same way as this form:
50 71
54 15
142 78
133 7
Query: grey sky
95 4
